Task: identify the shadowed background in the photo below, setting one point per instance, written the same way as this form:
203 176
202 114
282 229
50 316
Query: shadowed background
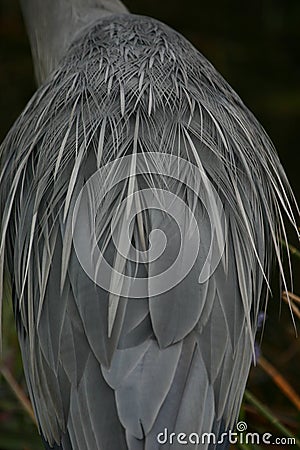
256 47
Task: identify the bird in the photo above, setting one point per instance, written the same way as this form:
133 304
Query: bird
142 206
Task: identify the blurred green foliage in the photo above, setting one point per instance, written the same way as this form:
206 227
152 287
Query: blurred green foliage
17 431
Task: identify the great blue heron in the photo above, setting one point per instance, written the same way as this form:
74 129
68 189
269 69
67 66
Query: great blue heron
141 204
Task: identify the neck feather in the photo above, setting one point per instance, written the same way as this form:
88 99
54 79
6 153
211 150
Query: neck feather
53 24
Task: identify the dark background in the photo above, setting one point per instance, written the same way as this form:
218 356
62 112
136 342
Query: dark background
256 47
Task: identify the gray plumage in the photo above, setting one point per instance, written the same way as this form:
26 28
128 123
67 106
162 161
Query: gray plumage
107 371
